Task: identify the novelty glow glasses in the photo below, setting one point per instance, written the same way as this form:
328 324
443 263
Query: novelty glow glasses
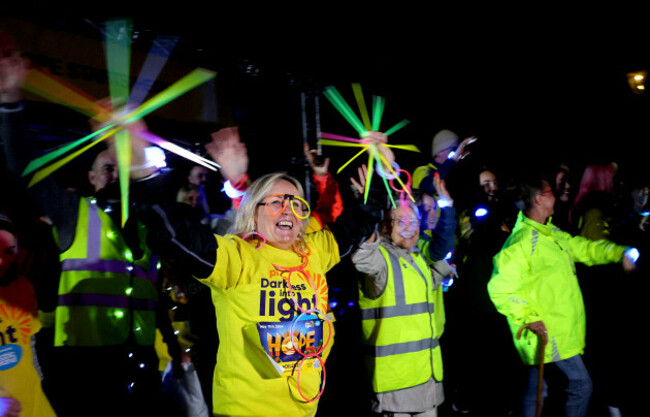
276 204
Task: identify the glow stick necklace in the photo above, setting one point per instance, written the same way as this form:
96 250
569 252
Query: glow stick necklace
316 354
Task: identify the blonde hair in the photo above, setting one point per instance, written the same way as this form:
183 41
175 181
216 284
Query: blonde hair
257 193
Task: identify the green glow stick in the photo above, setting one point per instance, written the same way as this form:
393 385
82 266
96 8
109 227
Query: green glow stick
118 63
352 159
42 160
358 94
396 127
196 77
378 104
40 175
118 59
390 193
123 152
339 103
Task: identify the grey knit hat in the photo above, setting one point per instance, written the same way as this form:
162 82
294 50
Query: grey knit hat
442 140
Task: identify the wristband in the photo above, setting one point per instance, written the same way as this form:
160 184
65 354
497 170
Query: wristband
388 176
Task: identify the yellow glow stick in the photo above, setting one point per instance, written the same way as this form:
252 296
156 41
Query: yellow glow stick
53 89
41 174
329 142
411 148
352 159
362 106
191 80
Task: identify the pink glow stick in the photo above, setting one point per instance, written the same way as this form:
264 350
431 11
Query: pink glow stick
339 137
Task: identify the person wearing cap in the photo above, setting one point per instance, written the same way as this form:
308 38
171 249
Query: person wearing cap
444 143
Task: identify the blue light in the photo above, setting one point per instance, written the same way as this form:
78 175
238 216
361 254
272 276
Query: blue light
449 255
333 304
443 202
632 254
351 303
155 156
451 155
231 191
645 213
480 212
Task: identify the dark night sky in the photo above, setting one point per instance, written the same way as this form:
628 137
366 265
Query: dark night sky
539 89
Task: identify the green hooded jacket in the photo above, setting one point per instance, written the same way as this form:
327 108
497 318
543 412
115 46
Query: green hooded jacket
534 278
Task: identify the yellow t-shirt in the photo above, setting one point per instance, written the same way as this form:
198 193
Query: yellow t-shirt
247 289
18 322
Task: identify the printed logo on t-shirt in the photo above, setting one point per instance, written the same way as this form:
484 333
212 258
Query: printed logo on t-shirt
276 298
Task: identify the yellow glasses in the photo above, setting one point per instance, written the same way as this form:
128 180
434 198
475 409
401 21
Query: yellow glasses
276 204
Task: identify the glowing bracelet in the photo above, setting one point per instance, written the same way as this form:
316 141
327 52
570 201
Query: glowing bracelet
388 176
231 191
632 254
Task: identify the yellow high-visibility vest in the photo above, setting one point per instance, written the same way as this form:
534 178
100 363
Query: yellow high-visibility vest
401 327
104 294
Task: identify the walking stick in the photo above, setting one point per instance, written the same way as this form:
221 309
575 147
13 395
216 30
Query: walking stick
540 379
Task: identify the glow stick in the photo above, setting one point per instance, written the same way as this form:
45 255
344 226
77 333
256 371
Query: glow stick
196 77
165 144
328 142
356 88
339 137
123 152
40 175
58 91
374 150
118 59
377 111
156 59
117 40
396 127
411 148
369 176
404 187
352 159
42 160
339 103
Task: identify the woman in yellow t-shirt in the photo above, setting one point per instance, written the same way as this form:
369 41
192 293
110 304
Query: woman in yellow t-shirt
269 290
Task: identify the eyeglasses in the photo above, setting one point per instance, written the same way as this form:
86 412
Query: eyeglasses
405 222
276 204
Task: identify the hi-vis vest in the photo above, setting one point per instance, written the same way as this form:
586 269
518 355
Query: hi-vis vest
104 295
402 326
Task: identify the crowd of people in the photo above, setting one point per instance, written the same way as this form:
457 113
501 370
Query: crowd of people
227 303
